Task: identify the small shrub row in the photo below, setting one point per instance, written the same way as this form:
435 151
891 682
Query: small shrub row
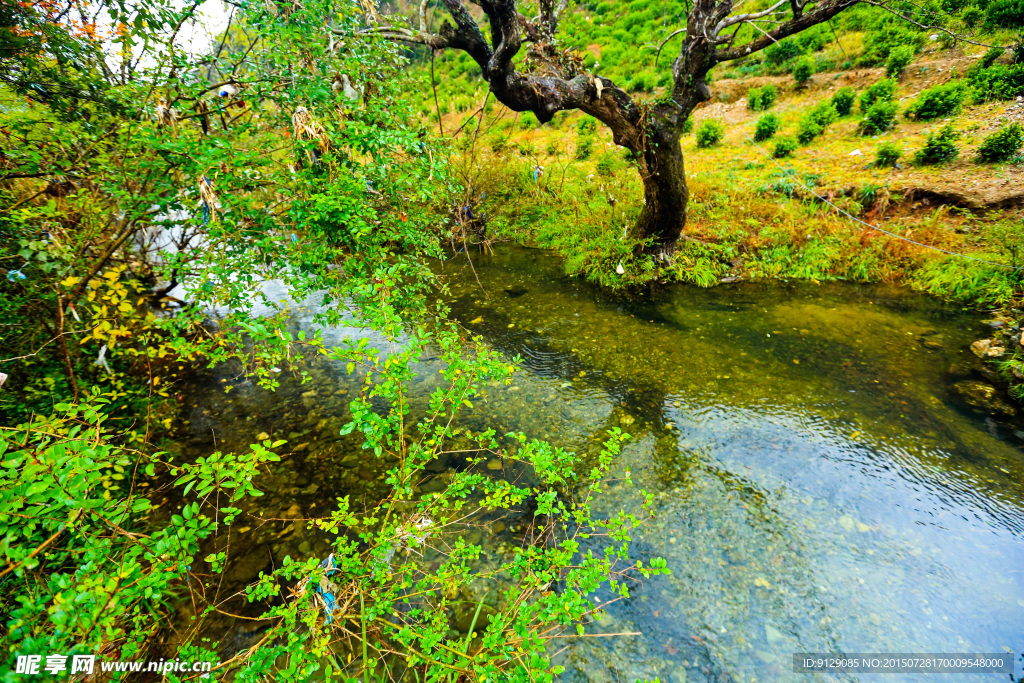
939 147
803 69
933 103
880 117
767 126
814 122
1002 145
762 99
709 132
898 60
887 155
843 101
996 82
784 146
882 91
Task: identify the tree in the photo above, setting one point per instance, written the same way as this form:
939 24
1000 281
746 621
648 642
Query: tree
556 80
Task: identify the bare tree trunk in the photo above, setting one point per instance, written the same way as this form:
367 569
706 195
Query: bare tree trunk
665 192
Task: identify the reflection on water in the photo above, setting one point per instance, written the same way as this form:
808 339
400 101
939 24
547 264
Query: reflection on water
817 487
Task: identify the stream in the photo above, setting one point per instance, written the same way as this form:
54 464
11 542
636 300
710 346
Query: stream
819 487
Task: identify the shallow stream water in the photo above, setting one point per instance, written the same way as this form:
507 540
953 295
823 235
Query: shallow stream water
818 487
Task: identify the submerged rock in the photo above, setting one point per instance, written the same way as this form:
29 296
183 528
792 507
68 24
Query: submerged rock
983 397
987 348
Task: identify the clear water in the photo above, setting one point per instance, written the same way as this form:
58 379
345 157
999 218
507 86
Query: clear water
818 487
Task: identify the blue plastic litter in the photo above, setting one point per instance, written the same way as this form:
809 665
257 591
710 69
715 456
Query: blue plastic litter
294 238
15 275
330 601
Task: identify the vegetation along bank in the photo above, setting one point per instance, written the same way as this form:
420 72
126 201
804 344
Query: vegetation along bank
267 209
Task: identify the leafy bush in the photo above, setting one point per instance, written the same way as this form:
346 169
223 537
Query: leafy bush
887 155
762 99
784 146
814 122
938 147
766 127
640 83
783 51
710 132
1005 14
880 41
879 118
808 130
843 101
990 57
606 164
587 125
996 82
1003 144
898 60
584 147
803 69
933 103
882 91
972 16
824 114
688 125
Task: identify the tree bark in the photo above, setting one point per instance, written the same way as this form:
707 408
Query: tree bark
666 194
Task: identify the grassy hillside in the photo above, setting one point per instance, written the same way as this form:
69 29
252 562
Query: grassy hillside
865 122
754 209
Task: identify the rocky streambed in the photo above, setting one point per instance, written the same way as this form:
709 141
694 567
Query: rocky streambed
825 480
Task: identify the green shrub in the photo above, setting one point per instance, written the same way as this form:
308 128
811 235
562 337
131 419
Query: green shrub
996 82
1005 14
762 99
938 147
766 127
783 51
887 155
814 122
641 83
606 164
784 146
584 147
552 149
1003 144
882 91
843 101
808 130
880 41
803 69
587 125
898 60
688 125
824 114
972 16
933 103
879 118
710 132
990 57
